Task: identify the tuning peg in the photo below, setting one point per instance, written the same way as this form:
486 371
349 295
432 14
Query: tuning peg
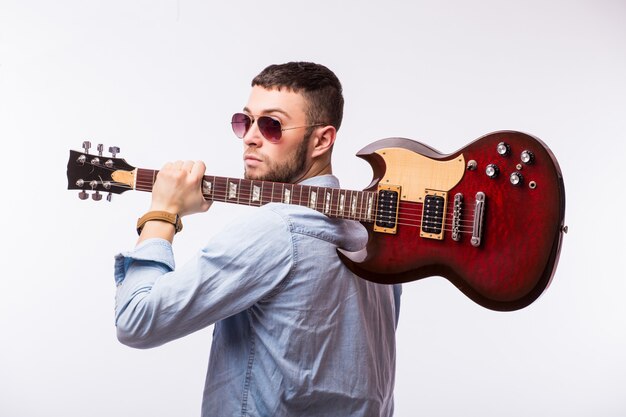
86 146
96 196
109 196
100 149
83 195
114 150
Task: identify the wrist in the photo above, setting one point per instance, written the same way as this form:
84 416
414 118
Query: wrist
160 216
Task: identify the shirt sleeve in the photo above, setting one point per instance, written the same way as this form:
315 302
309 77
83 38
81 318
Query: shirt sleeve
244 263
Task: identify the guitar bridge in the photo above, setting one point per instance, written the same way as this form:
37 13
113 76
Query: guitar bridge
387 209
433 214
479 211
456 217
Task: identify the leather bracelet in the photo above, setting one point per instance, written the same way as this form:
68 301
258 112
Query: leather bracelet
164 216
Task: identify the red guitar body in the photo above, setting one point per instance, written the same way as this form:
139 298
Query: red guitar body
508 239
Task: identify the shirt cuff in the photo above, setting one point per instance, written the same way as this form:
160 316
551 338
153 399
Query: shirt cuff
155 250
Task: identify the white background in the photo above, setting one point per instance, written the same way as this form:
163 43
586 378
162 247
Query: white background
160 79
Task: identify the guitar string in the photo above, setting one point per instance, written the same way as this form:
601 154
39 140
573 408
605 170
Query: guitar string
416 221
334 209
407 216
268 195
404 220
410 216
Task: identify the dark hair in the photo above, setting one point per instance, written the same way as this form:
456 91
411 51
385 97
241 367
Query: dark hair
319 86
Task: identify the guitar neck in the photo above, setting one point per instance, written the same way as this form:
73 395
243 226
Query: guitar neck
333 202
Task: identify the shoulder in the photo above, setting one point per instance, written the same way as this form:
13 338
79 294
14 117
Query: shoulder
303 221
260 228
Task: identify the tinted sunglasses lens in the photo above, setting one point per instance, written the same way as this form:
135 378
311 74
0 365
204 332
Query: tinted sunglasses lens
241 124
270 128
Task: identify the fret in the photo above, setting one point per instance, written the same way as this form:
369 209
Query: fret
342 204
312 199
144 179
353 205
328 203
361 210
250 186
370 205
207 186
316 193
232 190
320 200
219 189
255 195
137 185
244 189
287 195
269 191
302 201
266 192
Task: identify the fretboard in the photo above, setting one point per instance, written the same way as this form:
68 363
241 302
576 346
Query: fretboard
333 202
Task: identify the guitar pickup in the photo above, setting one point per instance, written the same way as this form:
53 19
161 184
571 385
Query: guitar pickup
387 208
434 214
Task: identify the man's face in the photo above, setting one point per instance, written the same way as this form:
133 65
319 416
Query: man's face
287 159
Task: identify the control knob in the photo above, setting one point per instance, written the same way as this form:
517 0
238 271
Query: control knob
492 170
516 178
503 149
527 157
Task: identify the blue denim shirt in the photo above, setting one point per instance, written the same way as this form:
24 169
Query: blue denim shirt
296 333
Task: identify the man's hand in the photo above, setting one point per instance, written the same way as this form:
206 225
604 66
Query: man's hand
177 190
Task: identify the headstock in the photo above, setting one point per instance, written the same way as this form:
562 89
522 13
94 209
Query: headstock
98 173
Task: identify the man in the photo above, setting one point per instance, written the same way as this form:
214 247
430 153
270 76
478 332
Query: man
296 333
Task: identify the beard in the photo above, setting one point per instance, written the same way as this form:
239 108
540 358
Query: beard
289 170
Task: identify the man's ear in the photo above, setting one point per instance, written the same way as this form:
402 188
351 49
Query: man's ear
324 140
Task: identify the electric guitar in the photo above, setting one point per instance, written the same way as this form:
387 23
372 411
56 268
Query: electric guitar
488 217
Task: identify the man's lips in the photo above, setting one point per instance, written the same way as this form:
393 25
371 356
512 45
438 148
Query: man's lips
251 160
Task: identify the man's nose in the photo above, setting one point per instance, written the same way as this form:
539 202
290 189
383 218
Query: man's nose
253 136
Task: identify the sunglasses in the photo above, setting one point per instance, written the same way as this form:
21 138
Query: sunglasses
270 128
